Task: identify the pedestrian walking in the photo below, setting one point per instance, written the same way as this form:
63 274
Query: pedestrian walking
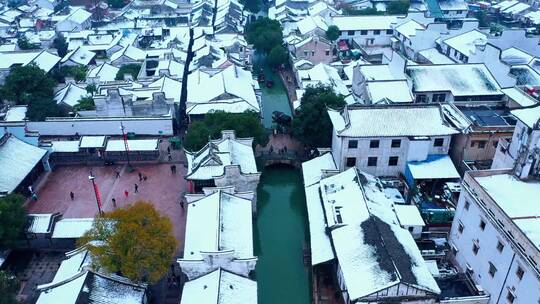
117 174
136 188
140 176
169 150
169 156
114 202
145 177
285 150
72 195
173 169
126 194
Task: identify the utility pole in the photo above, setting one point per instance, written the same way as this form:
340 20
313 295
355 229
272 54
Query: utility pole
92 178
124 136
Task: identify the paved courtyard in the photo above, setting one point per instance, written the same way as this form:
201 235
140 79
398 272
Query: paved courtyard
162 188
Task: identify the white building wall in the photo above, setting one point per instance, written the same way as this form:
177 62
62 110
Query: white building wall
521 140
526 290
383 153
369 38
426 38
337 143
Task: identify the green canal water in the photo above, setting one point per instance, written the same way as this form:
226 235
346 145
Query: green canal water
274 98
281 232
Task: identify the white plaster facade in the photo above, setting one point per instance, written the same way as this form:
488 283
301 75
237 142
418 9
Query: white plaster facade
481 225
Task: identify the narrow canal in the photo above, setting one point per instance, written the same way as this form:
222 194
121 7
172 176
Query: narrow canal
280 234
274 98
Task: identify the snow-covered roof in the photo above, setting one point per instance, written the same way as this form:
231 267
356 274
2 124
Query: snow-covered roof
232 85
408 215
529 116
72 228
409 28
519 96
98 288
220 286
170 87
79 16
70 95
16 113
92 142
17 160
67 292
66 146
459 79
453 5
43 59
376 72
534 17
309 24
323 74
383 254
174 68
505 4
104 72
516 9
435 57
131 52
466 43
40 223
80 56
220 221
74 264
440 167
356 23
518 199
117 145
211 160
515 56
396 91
313 170
385 121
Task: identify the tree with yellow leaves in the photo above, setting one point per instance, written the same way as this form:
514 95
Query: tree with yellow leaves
135 242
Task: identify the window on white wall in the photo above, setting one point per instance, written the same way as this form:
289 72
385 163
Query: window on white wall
492 269
438 142
500 246
475 248
441 97
510 297
374 143
520 272
421 98
393 161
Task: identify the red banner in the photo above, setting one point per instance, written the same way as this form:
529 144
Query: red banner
98 195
